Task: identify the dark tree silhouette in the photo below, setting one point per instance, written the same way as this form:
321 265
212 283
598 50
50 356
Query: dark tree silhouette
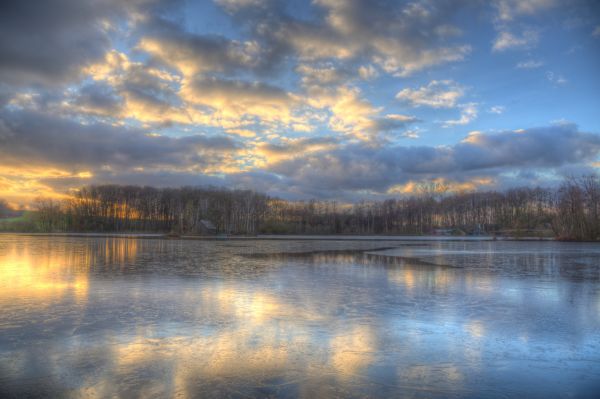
571 212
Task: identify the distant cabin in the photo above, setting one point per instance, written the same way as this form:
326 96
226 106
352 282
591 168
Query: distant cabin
206 227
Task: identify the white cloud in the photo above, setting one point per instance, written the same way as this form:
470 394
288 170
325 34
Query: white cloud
507 40
556 79
497 109
437 94
560 122
509 9
468 113
411 134
530 64
596 32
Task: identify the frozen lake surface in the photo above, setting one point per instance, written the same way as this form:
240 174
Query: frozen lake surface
119 317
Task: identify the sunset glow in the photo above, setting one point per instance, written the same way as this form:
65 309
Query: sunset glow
326 99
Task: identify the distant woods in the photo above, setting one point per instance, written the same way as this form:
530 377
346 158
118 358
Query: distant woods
570 212
5 210
113 208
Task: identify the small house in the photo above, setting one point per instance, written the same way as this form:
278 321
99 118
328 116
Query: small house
206 227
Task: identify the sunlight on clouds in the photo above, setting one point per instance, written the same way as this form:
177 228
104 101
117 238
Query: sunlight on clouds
232 100
352 115
193 56
114 62
269 153
159 91
148 94
473 137
20 186
367 72
440 185
242 132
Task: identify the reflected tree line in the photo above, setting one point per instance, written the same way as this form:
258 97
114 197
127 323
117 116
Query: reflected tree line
569 212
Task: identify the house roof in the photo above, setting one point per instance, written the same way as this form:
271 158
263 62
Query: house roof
207 224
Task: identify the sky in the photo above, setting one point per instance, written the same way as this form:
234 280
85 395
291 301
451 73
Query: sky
326 99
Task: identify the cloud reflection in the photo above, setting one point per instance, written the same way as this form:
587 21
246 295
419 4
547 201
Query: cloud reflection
110 317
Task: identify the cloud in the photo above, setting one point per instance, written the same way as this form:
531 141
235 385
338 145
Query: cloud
437 94
351 114
507 40
496 109
395 35
414 187
291 102
192 54
530 64
49 42
235 99
367 72
411 134
325 74
468 112
401 39
357 167
29 138
144 93
509 9
596 31
236 5
325 167
555 79
292 148
98 99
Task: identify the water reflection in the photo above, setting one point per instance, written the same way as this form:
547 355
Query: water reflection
41 276
120 317
50 270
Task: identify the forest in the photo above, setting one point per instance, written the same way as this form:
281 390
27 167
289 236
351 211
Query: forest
568 212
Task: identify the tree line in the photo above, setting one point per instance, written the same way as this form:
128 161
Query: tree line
569 212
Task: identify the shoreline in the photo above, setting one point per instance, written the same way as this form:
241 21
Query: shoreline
285 237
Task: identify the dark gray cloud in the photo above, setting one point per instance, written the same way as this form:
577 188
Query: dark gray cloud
298 146
139 178
48 42
377 168
392 123
28 138
99 99
153 66
190 53
402 37
309 167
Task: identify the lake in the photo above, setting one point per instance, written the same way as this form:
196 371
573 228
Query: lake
125 317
